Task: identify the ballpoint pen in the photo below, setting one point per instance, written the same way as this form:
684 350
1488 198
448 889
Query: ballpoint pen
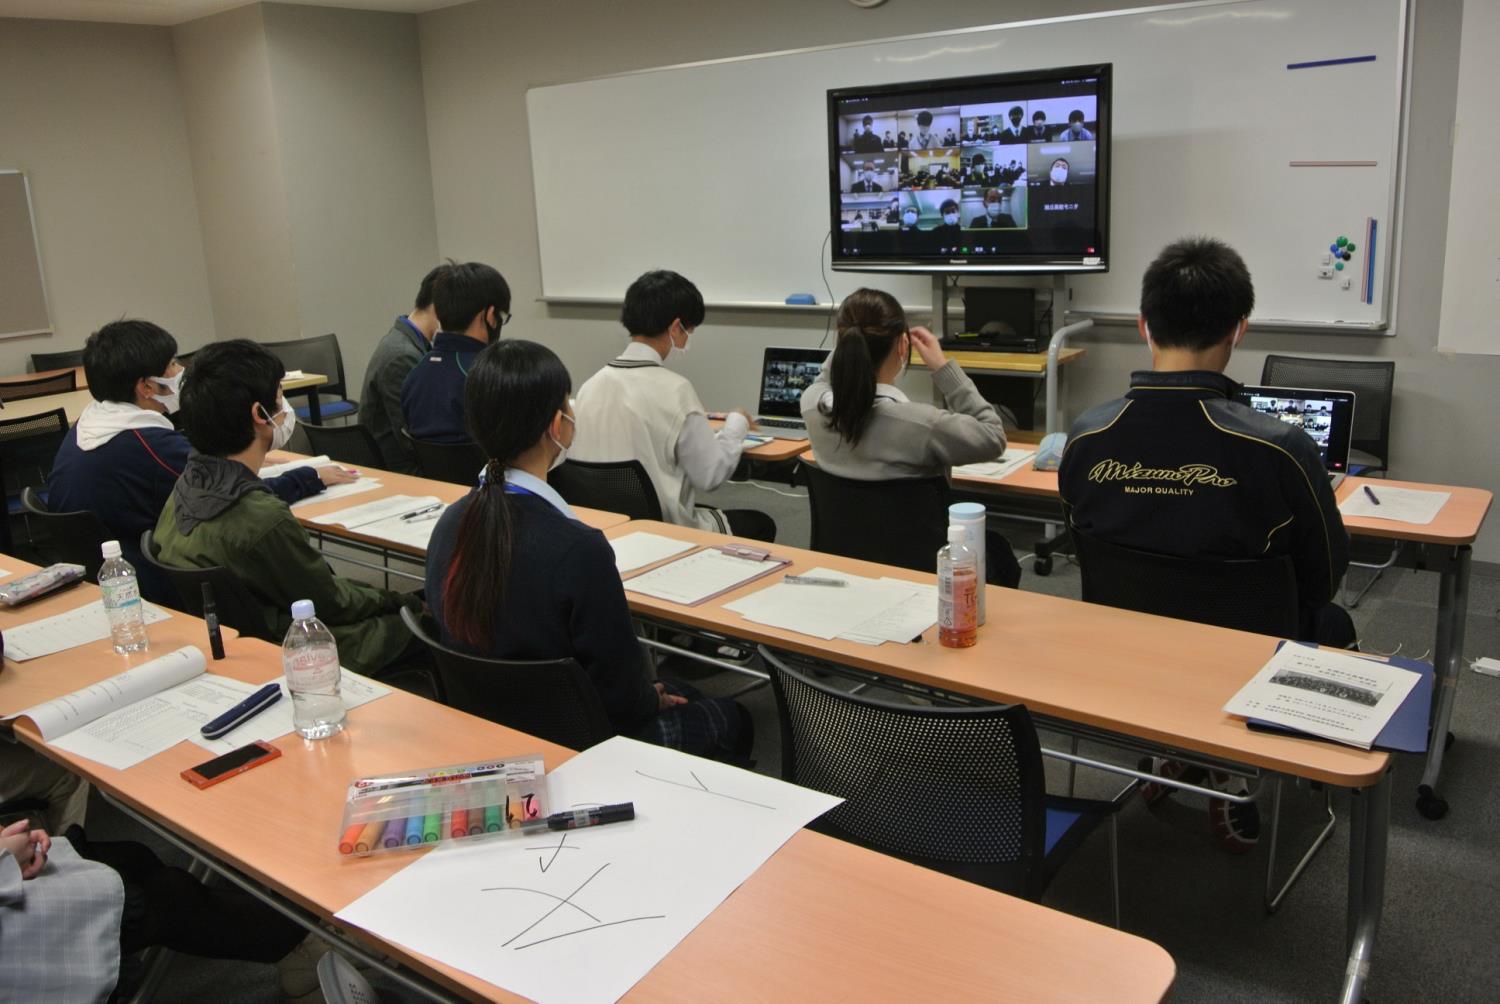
1371 494
421 512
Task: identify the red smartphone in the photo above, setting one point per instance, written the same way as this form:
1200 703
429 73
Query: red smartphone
222 768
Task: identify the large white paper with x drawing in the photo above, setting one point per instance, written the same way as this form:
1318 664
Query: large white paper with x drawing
582 915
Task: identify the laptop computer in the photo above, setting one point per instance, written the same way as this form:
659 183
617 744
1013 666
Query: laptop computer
1327 416
784 374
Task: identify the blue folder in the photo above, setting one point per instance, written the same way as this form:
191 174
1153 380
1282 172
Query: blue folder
1406 732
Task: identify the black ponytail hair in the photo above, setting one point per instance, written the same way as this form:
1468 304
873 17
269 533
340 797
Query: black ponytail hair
513 391
871 323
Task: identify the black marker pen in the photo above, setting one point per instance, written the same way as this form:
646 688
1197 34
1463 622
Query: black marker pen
211 617
578 818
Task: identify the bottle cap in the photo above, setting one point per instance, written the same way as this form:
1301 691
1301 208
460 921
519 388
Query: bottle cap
966 510
958 535
110 549
303 610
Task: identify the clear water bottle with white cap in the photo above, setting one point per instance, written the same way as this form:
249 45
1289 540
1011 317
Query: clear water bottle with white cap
122 600
310 657
973 518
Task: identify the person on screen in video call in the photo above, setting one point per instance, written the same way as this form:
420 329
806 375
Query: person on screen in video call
977 174
888 142
949 139
993 217
924 139
638 407
1075 129
1011 173
1038 131
971 133
909 218
949 227
1258 485
893 211
1016 132
865 141
1058 175
862 426
902 142
864 181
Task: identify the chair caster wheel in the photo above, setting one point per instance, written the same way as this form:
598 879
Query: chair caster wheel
1429 804
1042 565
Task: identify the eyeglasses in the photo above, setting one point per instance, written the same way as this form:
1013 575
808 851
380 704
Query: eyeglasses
504 317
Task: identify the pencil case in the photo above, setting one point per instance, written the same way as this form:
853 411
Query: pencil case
431 805
39 583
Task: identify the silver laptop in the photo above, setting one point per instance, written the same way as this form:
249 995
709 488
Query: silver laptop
1327 416
784 375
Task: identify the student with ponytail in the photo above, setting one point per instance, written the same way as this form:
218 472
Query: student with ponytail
512 574
864 428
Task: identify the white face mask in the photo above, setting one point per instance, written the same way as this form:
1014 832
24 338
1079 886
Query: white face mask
678 351
173 383
281 433
992 208
562 451
950 218
1059 175
910 219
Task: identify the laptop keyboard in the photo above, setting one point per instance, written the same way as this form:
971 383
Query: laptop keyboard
782 423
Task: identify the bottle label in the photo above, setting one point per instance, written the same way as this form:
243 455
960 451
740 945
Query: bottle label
122 599
312 671
958 601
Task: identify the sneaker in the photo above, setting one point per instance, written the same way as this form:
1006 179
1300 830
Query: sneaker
1235 824
298 969
1176 770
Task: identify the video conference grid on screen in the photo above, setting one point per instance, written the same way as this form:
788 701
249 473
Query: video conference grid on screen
786 379
940 173
1314 417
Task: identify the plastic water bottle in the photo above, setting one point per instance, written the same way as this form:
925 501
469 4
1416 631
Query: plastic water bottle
122 600
958 592
971 516
310 657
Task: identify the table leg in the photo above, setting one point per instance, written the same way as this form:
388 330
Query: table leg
1369 827
1448 652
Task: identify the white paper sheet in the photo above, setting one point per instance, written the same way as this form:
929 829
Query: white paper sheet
61 715
276 721
853 611
293 375
124 738
1014 458
581 916
276 470
705 573
380 510
1329 694
904 620
639 549
60 632
338 492
1404 505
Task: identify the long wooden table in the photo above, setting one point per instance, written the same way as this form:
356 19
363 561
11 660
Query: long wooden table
776 450
895 929
73 402
1150 681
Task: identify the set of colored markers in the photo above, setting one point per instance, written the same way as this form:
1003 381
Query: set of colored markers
457 802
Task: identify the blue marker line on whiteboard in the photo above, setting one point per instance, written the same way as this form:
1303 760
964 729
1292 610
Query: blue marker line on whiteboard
1370 262
1330 62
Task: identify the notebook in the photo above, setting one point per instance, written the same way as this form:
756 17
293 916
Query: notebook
1327 416
784 374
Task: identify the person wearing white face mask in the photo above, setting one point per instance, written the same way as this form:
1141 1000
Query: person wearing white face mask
221 513
472 301
994 216
636 408
513 574
949 228
123 456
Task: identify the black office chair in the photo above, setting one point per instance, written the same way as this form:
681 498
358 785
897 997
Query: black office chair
22 390
1373 383
41 362
319 354
957 789
1256 594
456 463
552 699
349 444
27 448
902 522
235 606
622 487
74 537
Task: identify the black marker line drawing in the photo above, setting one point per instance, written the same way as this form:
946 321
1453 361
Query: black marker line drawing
560 847
700 786
563 901
539 892
585 930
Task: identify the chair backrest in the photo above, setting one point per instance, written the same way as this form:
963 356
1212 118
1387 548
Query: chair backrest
350 444
1251 594
552 699
232 601
619 486
456 463
41 362
1372 381
902 522
74 537
319 354
28 446
960 790
21 390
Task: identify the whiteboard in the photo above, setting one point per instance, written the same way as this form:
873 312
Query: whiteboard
23 295
1471 268
719 169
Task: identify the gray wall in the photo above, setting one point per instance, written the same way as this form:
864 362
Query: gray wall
479 59
93 113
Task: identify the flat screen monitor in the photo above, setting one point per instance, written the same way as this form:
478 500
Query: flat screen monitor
1002 173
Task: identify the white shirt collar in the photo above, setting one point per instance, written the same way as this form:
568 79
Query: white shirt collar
539 488
640 352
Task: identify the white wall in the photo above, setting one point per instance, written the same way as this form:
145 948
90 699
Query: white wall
94 114
479 59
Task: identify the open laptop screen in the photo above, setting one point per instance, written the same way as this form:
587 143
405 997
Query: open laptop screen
785 374
1327 416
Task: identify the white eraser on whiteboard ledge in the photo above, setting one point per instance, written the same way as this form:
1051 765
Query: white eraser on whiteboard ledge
1489 667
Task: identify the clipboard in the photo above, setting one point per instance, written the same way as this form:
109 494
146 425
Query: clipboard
703 575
